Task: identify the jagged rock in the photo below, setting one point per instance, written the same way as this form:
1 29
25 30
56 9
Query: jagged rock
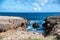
52 25
10 22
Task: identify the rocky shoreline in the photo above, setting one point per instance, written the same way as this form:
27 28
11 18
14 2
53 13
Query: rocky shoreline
23 35
14 28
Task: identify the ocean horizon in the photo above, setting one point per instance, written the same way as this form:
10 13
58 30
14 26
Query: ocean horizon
31 15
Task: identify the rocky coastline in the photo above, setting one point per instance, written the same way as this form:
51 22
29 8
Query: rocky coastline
14 28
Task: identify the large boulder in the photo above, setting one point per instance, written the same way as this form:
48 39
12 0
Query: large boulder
52 25
10 22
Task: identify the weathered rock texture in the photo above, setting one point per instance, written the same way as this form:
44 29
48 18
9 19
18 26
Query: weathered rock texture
52 25
10 22
23 35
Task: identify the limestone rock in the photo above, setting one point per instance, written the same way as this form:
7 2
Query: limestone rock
10 22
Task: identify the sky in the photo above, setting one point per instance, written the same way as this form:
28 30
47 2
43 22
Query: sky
29 5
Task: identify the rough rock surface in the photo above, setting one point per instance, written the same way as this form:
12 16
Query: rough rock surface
10 22
18 34
56 29
52 25
23 35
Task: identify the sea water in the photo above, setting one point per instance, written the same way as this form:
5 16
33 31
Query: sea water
40 29
17 6
32 17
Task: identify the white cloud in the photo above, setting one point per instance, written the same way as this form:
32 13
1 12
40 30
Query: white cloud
35 4
44 1
42 4
37 8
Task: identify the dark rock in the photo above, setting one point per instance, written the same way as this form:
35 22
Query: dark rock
35 25
52 25
0 30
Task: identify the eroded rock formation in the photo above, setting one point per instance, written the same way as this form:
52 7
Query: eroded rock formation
10 22
52 25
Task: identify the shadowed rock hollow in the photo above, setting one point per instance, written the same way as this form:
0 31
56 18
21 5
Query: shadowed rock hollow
10 22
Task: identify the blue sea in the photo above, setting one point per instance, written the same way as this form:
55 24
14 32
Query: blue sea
32 17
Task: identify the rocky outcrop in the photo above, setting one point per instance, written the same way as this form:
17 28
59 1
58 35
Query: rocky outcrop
10 22
52 25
